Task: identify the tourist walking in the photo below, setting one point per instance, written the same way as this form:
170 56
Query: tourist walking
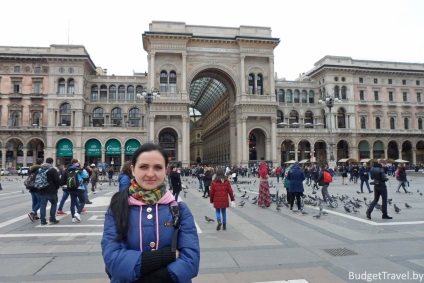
219 193
264 198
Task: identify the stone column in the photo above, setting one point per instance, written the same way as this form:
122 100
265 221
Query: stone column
3 157
245 141
273 138
271 76
295 152
103 155
152 71
180 149
122 155
184 73
25 152
385 152
152 128
242 76
268 148
240 141
414 155
185 142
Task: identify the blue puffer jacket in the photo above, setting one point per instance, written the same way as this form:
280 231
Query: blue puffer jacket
296 177
123 259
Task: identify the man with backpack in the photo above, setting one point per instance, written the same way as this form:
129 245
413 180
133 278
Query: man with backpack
48 183
35 194
73 179
324 180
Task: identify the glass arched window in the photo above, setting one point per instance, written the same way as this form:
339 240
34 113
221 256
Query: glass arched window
280 118
304 97
294 118
65 114
130 93
378 123
139 90
163 81
311 96
116 117
103 92
280 95
344 93
363 126
71 86
173 82
309 118
121 92
406 123
94 92
36 118
341 118
260 84
134 117
337 91
112 92
251 83
296 96
98 118
289 96
61 86
392 123
15 119
420 124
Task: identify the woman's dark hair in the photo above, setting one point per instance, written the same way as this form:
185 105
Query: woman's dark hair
220 176
126 169
119 202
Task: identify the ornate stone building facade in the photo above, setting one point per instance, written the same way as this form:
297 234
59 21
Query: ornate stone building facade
55 102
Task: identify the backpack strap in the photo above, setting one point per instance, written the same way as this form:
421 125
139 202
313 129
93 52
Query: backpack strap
175 211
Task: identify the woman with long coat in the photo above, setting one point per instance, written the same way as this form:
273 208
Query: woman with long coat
175 177
207 180
296 178
220 191
264 199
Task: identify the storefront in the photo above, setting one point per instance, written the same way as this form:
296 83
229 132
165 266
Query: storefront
64 152
93 151
113 153
130 147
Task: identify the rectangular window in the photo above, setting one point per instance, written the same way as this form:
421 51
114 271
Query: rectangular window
419 97
404 82
376 95
417 82
17 69
16 87
37 70
390 95
361 95
376 81
361 80
405 96
37 88
390 81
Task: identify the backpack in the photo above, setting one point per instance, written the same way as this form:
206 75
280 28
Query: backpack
29 182
327 177
72 182
41 179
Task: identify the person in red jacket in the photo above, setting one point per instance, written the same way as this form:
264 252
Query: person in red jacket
219 193
264 198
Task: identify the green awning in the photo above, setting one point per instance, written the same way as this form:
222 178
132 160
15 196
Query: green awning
113 147
93 148
64 148
131 146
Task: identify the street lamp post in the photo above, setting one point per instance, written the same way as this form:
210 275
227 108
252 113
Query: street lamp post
148 98
329 101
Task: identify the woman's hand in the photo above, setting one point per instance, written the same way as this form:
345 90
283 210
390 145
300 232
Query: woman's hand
177 254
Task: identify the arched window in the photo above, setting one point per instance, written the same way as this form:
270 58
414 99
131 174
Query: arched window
173 82
420 124
280 95
98 118
341 118
139 90
71 86
296 96
406 123
280 117
61 86
377 123
309 118
116 117
103 92
15 119
392 123
134 117
363 126
130 93
304 96
259 84
36 118
289 96
163 81
294 118
94 92
121 92
311 96
112 92
65 114
344 93
337 91
251 83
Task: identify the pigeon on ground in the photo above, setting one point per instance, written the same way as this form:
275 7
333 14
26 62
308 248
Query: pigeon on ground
317 216
407 205
355 210
209 219
278 208
421 194
397 209
255 198
304 212
244 194
378 206
255 202
347 209
242 204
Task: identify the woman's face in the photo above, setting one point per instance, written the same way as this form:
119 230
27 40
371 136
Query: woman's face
149 170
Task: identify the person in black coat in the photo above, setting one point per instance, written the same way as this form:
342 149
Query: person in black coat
207 180
175 177
49 193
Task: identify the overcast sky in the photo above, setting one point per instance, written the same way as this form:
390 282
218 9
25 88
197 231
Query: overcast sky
308 30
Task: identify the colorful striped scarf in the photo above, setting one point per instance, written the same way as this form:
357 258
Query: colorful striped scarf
148 197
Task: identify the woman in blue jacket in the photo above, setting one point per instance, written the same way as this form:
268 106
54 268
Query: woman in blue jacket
296 178
137 243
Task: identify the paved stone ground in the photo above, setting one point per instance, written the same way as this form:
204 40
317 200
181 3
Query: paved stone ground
260 244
